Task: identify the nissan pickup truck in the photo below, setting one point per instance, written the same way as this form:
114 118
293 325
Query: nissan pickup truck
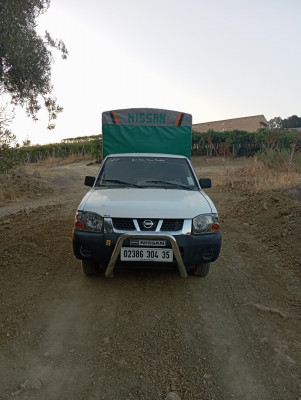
146 209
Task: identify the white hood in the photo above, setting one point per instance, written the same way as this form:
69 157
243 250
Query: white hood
147 203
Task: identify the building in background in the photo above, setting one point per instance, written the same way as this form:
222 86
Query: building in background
248 124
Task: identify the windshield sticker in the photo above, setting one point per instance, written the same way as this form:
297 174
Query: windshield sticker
148 160
111 160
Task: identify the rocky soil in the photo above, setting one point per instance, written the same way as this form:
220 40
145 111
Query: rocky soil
145 334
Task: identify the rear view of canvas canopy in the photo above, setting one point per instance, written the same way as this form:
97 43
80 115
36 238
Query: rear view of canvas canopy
146 130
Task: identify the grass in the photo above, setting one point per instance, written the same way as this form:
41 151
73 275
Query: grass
54 161
268 171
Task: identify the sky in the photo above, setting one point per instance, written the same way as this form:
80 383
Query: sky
214 59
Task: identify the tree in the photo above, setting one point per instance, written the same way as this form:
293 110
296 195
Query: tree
26 57
8 157
292 122
26 142
276 123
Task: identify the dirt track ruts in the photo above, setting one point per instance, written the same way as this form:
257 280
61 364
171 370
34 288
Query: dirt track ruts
144 334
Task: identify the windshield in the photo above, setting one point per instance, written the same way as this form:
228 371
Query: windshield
145 172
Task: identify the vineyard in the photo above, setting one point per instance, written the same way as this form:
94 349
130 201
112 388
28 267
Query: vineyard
283 146
241 143
78 146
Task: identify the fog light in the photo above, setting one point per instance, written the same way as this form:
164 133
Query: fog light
207 254
85 251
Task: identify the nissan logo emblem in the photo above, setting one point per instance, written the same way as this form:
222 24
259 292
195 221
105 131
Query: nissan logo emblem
148 224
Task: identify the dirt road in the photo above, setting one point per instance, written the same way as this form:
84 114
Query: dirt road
235 334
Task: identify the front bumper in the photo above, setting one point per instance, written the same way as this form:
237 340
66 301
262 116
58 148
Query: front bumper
104 248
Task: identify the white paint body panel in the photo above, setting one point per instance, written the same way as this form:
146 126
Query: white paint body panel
147 203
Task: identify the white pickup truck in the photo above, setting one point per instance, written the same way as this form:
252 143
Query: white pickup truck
146 209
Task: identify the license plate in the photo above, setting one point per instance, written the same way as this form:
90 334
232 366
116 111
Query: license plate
146 254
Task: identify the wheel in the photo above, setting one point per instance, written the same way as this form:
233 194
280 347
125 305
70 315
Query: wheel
201 270
89 267
102 267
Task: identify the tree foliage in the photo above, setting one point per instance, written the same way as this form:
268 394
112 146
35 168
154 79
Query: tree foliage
278 123
8 156
292 122
26 57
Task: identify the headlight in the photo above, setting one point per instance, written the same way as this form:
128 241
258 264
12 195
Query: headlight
200 224
88 221
205 224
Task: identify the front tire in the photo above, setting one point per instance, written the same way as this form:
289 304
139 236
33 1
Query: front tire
201 270
90 268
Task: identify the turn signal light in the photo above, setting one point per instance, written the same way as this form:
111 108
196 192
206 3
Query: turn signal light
79 225
215 227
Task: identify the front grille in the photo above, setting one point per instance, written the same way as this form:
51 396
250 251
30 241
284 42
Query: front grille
124 224
127 224
172 225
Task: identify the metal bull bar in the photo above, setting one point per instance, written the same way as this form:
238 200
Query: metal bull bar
142 235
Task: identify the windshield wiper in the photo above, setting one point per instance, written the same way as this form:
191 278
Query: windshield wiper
121 182
178 185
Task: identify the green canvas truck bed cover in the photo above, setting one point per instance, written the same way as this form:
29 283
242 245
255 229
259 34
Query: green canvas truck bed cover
146 130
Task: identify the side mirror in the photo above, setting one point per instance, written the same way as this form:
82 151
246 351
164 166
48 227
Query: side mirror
205 183
89 180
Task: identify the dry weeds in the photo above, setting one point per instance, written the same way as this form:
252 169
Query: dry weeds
55 161
256 176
